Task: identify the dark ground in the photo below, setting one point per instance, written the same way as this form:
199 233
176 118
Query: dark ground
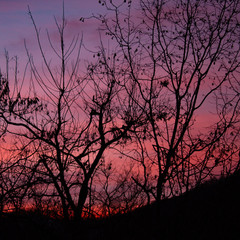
211 211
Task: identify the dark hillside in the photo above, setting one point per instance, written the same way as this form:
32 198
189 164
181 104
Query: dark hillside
211 211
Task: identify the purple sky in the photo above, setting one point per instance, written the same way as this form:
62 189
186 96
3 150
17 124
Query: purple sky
15 23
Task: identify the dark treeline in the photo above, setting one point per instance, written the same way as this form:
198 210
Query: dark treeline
124 130
210 211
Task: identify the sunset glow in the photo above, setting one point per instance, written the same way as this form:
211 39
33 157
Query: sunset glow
108 106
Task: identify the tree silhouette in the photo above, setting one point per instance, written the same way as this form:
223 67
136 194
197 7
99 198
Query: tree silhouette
177 59
160 68
4 90
67 121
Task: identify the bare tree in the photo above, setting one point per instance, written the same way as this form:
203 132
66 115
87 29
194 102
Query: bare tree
67 120
16 178
15 173
114 191
4 90
167 64
179 60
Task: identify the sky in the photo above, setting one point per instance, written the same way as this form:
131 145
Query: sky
16 25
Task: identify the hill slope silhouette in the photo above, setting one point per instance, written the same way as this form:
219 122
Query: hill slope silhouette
210 211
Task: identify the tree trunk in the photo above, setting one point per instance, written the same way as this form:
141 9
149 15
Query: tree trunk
81 200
